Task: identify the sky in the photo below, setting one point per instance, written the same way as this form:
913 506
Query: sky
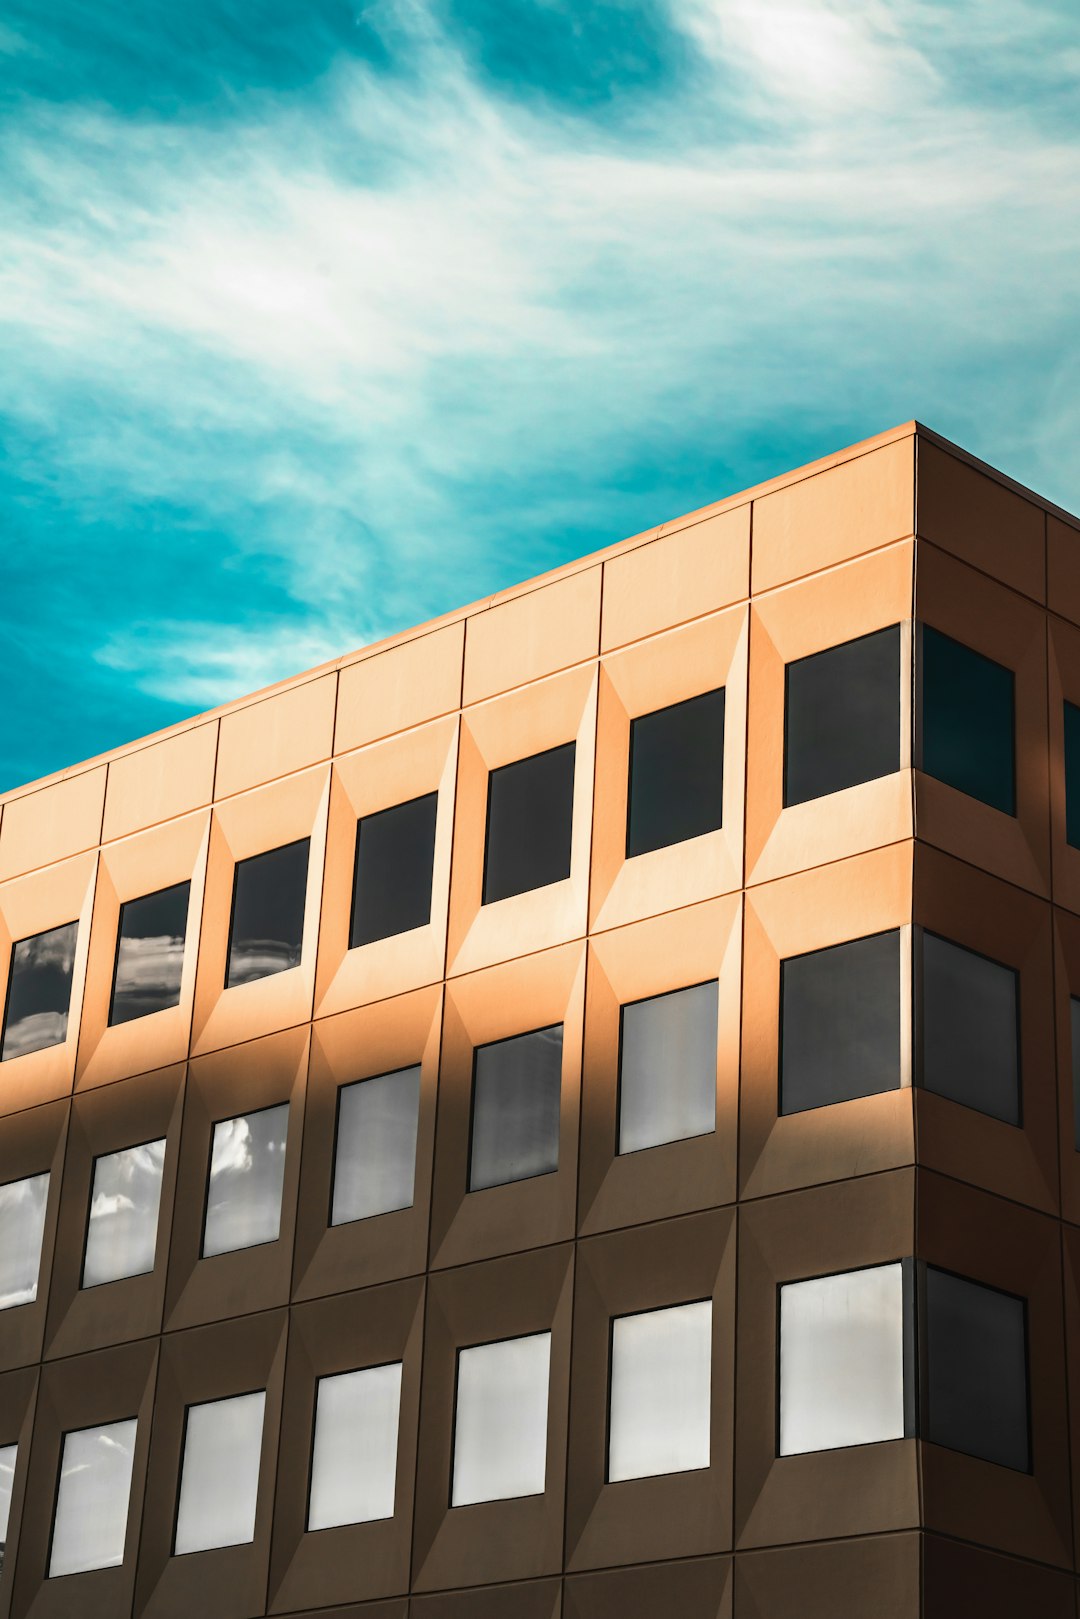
319 320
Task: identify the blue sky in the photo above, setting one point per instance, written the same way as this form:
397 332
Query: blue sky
318 320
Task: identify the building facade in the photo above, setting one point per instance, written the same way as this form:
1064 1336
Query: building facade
570 1113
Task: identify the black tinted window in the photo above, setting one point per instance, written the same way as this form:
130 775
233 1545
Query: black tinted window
529 823
970 1029
1072 774
268 913
966 720
150 953
842 716
676 773
515 1121
976 1391
395 852
39 991
840 1023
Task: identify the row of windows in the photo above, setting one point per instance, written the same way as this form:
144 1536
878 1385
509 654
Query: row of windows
846 1371
842 727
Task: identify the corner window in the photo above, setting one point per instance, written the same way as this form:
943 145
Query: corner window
9 1456
269 899
661 1381
90 1526
676 788
247 1173
150 954
842 716
22 1226
976 1378
375 1157
354 1458
395 856
219 1474
39 992
667 1067
530 818
1072 775
517 1088
842 1376
969 1028
840 1023
121 1235
966 720
501 1420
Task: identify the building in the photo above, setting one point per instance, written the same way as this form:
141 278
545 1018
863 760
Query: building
570 1112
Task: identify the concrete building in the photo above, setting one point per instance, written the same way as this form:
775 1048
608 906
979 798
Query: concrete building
570 1111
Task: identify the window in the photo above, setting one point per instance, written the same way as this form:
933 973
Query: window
976 1388
121 1236
219 1474
39 992
667 1067
842 716
247 1172
150 954
9 1456
22 1226
661 1378
375 1158
269 898
354 1460
842 1360
395 855
1074 1025
970 1021
90 1527
529 823
840 1023
966 720
1072 775
676 773
501 1419
517 1086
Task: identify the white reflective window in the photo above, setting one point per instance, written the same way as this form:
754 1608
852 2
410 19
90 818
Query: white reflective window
842 1360
661 1382
92 1501
375 1162
354 1460
219 1475
247 1172
667 1068
500 1427
9 1455
121 1238
22 1224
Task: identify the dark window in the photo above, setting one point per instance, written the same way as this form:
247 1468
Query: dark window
267 930
529 822
515 1120
969 1037
966 726
842 716
1074 1020
1072 774
395 853
976 1374
840 1023
667 1067
150 953
676 773
39 993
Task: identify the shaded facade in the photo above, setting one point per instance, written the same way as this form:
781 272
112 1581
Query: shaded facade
571 1112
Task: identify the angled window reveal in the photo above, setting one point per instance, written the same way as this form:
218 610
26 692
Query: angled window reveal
22 1226
660 1398
247 1173
121 1234
969 1021
967 720
667 1067
517 1086
842 716
395 856
219 1474
676 788
354 1457
840 1022
269 897
90 1527
975 1383
530 818
150 953
39 991
501 1420
375 1155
